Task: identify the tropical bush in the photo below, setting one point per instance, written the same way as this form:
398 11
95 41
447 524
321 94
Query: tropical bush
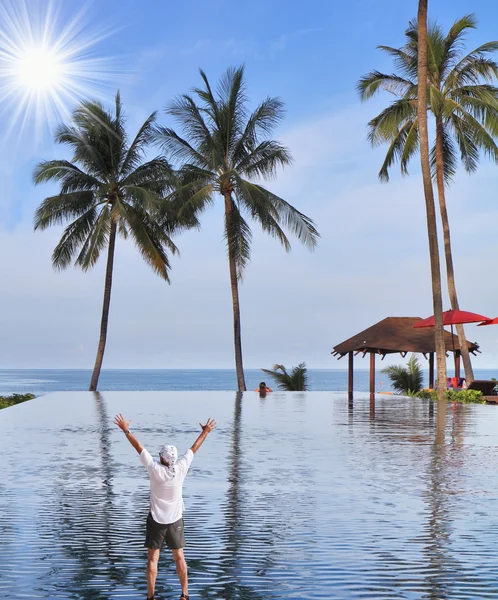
295 381
6 401
465 396
406 380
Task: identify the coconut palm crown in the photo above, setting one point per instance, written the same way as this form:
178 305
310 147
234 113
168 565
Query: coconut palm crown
223 150
460 93
106 189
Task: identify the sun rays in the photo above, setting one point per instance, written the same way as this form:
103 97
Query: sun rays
47 64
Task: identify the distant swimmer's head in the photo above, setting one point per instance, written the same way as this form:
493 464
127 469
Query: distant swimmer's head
262 386
168 455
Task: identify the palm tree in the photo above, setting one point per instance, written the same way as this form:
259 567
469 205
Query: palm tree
107 189
430 208
406 380
295 381
224 151
464 105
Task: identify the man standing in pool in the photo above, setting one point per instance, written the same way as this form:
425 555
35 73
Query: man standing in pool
165 521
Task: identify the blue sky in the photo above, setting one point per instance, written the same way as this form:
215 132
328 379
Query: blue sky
372 260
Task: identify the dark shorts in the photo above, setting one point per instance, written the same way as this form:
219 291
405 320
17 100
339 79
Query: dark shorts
157 533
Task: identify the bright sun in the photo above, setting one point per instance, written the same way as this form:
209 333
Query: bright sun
40 69
47 65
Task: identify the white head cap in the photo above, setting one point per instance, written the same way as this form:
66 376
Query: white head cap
169 454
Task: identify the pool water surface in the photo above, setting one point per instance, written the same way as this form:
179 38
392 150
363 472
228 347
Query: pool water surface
298 495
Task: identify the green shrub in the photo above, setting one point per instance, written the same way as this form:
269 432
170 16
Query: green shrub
465 396
426 394
6 401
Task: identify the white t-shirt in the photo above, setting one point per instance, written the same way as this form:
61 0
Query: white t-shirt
166 500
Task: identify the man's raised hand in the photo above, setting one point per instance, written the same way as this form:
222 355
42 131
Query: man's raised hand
120 421
209 426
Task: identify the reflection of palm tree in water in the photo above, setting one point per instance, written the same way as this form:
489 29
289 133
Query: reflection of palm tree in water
444 567
233 589
89 522
109 512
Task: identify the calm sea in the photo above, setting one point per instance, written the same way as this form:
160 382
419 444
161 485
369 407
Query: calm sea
42 381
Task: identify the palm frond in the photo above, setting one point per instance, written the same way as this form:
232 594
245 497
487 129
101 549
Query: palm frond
292 219
155 175
232 102
395 152
73 238
55 210
192 192
151 240
475 63
464 135
259 125
193 125
96 240
261 210
405 60
376 81
405 380
210 105
238 238
450 160
71 177
180 150
410 147
137 148
264 160
391 120
480 136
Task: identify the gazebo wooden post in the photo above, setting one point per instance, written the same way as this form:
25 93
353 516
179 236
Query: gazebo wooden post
431 370
372 375
457 364
350 375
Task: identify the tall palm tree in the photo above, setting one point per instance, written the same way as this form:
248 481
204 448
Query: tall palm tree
225 151
464 104
107 189
430 208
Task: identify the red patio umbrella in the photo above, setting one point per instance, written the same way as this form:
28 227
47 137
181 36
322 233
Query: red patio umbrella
489 322
454 317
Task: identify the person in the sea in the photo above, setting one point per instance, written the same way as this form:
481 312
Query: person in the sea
165 522
263 389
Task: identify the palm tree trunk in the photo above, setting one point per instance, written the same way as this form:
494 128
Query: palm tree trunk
450 273
429 199
105 309
241 384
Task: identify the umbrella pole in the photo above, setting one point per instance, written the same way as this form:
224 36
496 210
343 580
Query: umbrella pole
456 360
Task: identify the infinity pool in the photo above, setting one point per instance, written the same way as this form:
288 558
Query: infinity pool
293 496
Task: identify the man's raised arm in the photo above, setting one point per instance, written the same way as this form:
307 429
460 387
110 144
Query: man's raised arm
207 428
119 420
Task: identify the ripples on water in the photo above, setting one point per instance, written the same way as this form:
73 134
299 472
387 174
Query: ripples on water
294 496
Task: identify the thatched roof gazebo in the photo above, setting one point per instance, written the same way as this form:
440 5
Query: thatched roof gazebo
393 335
